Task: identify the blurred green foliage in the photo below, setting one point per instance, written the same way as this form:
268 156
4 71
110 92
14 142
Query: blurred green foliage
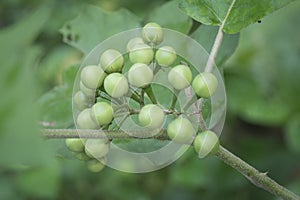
36 80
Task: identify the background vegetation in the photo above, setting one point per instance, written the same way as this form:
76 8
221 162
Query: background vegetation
36 78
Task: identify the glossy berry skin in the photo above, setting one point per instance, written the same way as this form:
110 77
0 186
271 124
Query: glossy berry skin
96 148
140 75
131 43
75 144
85 121
95 165
89 93
165 56
205 84
116 85
80 101
112 61
92 76
103 113
152 33
141 53
206 143
151 116
181 130
180 77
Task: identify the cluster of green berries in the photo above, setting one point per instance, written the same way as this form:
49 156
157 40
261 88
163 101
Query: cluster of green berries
108 76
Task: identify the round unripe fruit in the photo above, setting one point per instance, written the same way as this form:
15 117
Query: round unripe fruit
205 84
133 42
151 116
181 130
103 113
89 93
75 144
92 76
112 61
165 56
141 53
85 121
94 165
96 148
140 75
80 100
152 33
82 156
180 77
116 85
206 143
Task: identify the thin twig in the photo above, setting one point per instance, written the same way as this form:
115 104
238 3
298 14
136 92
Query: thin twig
257 178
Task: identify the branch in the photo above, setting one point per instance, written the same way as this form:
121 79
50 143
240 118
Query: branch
214 51
257 178
218 41
75 133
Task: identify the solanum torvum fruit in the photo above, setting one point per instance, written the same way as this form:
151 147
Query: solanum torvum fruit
92 76
165 56
206 143
205 84
151 116
180 77
112 61
103 113
140 75
141 53
116 85
181 130
152 33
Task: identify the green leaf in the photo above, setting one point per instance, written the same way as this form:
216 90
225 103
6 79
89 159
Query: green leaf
52 66
29 27
231 15
94 25
206 35
142 145
292 134
262 78
164 16
56 105
245 99
19 136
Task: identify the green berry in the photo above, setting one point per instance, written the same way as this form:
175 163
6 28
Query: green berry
140 75
92 76
181 130
85 121
80 100
82 156
151 116
103 113
152 33
206 143
89 93
180 77
75 144
95 165
133 42
116 85
141 53
165 56
112 61
205 84
96 148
